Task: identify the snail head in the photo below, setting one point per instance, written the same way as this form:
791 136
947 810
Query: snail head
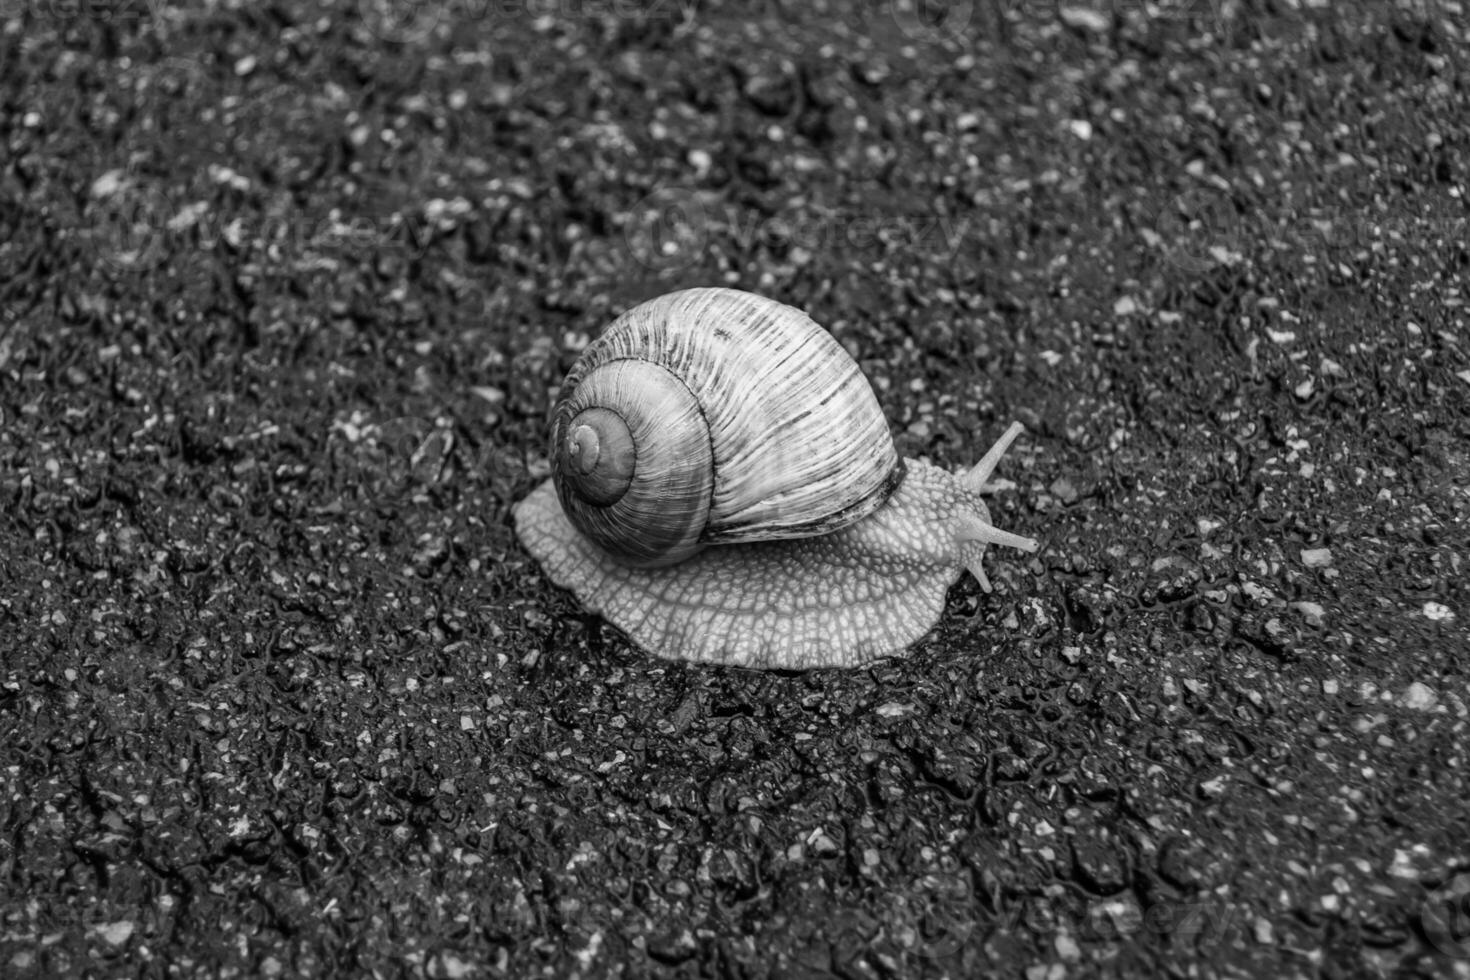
973 527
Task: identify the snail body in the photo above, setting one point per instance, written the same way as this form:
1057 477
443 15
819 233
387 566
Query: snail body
725 489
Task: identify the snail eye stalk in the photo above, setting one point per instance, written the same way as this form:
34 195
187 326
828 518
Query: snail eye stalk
974 529
978 474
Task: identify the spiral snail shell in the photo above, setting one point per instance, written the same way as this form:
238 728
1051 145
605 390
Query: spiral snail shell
725 489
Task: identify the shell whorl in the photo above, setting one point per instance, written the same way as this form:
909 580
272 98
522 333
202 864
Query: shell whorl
633 464
722 393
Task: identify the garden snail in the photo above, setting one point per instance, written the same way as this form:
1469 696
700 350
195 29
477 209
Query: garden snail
725 489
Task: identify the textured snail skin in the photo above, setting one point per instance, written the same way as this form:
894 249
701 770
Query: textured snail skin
835 600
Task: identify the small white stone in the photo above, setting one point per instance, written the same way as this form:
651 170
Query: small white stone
1419 697
454 967
225 175
1316 557
1084 18
1403 865
108 184
1311 611
1437 612
492 395
188 216
115 933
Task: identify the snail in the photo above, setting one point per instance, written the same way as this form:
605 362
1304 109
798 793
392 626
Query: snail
725 489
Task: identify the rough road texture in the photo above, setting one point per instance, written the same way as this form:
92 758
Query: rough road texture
283 291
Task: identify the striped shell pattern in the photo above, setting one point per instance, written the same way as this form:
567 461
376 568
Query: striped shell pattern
716 416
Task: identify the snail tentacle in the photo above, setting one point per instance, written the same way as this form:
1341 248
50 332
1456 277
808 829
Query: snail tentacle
979 474
973 528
